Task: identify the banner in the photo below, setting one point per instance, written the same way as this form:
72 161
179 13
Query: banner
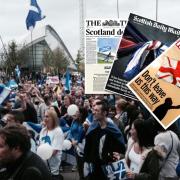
53 80
158 86
143 40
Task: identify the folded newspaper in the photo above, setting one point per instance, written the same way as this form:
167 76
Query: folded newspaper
158 86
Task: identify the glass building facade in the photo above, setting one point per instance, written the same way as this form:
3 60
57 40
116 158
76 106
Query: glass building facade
43 39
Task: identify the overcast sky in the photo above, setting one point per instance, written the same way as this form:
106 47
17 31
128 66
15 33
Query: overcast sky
63 16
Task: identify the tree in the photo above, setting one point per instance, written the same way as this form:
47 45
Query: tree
47 60
22 55
60 61
2 60
15 57
80 62
82 68
55 61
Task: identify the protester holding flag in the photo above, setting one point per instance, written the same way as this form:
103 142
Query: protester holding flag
142 160
97 151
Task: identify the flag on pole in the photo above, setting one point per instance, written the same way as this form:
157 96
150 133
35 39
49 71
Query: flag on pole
33 15
170 71
67 82
18 72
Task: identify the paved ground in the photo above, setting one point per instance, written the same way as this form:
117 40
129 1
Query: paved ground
69 175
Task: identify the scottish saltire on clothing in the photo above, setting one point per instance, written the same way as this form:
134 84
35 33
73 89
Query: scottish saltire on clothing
33 15
136 62
4 93
170 71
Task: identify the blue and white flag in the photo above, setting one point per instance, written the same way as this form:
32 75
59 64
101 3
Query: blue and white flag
36 128
68 79
115 170
104 48
135 64
33 15
18 72
4 92
12 84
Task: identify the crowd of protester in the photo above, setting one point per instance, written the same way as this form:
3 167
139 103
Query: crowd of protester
105 129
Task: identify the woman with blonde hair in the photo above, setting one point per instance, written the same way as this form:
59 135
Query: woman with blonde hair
53 135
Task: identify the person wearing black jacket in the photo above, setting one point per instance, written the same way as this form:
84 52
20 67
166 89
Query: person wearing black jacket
102 139
17 162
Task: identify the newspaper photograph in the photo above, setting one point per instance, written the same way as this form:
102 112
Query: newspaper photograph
158 86
143 40
101 44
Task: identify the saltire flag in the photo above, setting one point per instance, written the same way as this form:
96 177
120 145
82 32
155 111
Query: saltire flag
136 62
33 15
17 71
105 49
12 84
67 80
142 51
115 170
170 71
4 93
36 128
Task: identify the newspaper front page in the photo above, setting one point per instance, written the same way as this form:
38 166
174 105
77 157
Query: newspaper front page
158 86
142 42
101 44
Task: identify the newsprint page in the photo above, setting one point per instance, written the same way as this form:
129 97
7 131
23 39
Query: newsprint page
157 86
101 43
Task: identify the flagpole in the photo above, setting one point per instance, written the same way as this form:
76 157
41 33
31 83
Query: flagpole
32 47
33 16
118 9
156 10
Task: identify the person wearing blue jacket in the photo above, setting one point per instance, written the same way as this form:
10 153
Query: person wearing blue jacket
77 135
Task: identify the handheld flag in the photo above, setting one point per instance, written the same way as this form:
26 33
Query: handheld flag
67 84
33 15
18 72
12 84
4 92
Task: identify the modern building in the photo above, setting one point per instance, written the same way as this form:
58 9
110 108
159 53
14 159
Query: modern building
44 38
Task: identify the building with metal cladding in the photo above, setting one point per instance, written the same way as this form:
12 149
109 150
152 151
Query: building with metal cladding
44 38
